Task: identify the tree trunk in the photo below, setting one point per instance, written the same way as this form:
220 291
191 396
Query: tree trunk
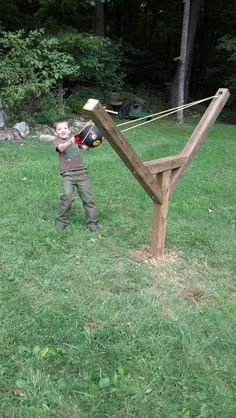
182 62
193 21
201 83
98 19
195 7
60 96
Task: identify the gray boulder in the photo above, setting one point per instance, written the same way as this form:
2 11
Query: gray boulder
2 119
23 128
46 137
9 134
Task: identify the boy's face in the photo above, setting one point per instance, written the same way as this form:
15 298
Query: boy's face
62 130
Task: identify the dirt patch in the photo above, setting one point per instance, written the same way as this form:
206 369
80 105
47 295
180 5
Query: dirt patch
232 286
193 295
172 283
143 255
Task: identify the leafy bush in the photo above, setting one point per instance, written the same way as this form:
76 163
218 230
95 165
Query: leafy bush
228 45
75 103
99 58
31 65
44 110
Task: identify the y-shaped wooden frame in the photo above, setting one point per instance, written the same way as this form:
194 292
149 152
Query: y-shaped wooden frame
159 178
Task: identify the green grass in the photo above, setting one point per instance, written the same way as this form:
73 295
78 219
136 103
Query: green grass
87 329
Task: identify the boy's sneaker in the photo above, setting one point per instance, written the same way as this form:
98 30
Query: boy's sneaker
60 225
92 228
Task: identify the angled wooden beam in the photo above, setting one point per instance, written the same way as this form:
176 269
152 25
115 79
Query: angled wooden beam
118 142
164 164
200 133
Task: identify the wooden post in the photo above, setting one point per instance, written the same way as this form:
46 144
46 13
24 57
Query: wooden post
160 213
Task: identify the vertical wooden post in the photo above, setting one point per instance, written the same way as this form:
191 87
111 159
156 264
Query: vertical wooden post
160 213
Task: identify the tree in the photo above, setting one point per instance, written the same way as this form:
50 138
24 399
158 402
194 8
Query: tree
98 18
31 65
228 44
149 32
182 61
180 85
195 9
99 58
35 65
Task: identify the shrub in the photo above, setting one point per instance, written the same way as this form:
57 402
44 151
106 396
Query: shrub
31 66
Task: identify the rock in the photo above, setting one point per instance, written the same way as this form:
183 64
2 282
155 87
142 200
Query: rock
2 119
23 128
38 130
41 132
9 134
46 137
77 124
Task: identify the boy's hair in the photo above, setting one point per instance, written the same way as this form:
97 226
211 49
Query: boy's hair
59 121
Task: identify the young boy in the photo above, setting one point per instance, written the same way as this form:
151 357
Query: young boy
74 174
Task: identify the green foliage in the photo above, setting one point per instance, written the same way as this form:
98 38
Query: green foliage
48 116
31 65
99 58
109 74
75 103
228 45
69 5
150 32
45 110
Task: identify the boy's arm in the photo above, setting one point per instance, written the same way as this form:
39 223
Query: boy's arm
63 147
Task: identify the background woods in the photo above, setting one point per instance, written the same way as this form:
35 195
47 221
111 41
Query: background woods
111 45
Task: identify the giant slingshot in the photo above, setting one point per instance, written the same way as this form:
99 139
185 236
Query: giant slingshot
159 178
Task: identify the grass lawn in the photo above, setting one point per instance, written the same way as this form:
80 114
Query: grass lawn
87 329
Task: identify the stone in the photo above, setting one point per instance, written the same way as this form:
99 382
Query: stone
2 119
46 137
9 134
23 128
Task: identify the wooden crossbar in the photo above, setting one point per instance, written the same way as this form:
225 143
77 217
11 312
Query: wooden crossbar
164 164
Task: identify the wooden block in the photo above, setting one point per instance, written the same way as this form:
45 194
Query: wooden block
164 164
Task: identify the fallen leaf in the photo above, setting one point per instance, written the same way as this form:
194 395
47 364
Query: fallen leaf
44 351
20 392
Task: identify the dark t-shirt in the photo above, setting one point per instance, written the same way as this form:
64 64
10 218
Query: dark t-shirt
69 160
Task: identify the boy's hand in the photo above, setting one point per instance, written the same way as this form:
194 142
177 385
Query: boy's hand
83 146
80 143
63 147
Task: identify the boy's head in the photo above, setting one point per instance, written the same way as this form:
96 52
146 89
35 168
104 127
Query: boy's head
61 129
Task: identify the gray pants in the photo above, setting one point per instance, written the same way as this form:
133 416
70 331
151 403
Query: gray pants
80 180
